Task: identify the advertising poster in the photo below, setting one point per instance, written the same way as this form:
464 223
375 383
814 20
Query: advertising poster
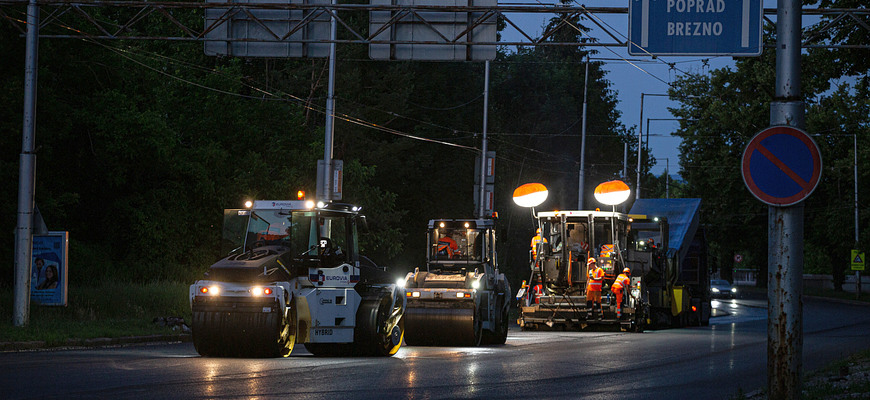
49 269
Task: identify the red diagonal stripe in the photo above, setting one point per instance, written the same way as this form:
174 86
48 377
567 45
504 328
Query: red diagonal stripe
781 165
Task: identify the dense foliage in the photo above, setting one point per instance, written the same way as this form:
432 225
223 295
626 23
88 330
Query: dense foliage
731 106
142 144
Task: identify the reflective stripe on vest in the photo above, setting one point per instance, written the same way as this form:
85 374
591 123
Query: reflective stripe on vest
596 277
621 282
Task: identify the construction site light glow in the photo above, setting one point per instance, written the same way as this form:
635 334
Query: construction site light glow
530 195
612 193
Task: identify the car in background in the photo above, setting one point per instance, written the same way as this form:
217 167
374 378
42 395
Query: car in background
722 289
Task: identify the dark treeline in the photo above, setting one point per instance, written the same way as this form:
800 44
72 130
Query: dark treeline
142 144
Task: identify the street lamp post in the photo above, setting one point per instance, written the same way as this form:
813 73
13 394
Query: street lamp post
640 135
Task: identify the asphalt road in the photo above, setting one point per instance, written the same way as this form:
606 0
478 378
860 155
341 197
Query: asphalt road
705 362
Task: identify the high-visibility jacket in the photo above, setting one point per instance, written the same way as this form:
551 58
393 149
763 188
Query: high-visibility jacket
622 281
596 278
535 240
447 244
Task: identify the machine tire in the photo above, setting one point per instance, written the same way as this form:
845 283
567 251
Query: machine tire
286 335
477 326
499 336
369 341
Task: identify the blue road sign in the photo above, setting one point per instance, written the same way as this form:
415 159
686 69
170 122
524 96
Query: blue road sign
781 166
695 27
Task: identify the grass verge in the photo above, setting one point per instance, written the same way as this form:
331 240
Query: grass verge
106 310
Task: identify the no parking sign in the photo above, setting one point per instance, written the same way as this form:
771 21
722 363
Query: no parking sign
781 166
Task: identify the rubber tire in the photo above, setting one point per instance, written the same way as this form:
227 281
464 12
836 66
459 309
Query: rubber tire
477 326
368 341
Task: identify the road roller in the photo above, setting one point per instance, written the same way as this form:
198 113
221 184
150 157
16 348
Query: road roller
293 274
460 298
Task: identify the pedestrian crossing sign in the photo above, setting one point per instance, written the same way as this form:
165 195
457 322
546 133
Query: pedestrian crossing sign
857 260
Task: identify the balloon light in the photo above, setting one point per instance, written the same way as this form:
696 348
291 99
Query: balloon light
530 195
612 192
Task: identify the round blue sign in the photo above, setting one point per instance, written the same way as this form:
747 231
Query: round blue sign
781 166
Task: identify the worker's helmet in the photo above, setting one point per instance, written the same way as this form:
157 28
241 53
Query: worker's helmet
591 260
626 271
538 231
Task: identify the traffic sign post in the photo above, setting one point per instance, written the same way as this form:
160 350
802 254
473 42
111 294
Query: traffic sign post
857 266
857 260
781 166
695 27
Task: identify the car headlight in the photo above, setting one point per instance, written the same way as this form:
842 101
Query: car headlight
714 290
734 290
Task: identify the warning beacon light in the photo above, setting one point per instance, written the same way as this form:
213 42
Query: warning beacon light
612 193
530 195
300 195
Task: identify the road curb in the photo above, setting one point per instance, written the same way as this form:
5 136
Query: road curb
94 342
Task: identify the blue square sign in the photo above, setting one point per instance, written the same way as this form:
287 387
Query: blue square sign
695 27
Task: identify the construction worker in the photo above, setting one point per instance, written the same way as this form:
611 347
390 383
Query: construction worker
535 241
447 246
622 282
593 288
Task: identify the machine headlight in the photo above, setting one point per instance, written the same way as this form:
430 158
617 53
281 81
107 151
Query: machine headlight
415 294
400 282
213 290
475 284
257 291
460 295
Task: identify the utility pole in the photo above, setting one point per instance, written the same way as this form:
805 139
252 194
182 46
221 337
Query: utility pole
482 203
580 193
329 127
855 169
26 174
786 224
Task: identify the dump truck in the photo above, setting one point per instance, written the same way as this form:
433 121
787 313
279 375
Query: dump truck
293 274
460 298
658 241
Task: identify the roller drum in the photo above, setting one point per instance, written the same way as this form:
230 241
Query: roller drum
426 326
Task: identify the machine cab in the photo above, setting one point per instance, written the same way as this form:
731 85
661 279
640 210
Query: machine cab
460 243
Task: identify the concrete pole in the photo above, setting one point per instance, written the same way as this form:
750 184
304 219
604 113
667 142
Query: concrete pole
786 224
639 146
482 205
624 170
26 174
329 128
583 140
855 168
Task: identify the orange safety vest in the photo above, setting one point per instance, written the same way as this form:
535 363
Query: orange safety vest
596 277
447 243
535 240
621 282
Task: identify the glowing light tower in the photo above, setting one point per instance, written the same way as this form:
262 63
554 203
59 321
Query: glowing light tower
612 193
